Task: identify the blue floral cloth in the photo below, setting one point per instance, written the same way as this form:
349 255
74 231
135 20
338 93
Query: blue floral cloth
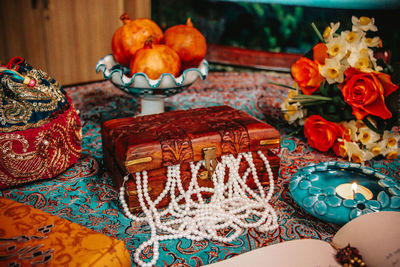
85 194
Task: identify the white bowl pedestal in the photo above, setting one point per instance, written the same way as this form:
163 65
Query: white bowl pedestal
152 105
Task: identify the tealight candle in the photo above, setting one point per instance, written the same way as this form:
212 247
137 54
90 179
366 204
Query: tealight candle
348 191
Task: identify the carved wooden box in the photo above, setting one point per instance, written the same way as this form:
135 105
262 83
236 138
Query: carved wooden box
154 142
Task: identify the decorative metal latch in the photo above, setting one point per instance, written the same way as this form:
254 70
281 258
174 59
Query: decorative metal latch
210 157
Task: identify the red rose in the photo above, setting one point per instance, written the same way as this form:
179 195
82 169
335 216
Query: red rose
306 73
322 134
365 92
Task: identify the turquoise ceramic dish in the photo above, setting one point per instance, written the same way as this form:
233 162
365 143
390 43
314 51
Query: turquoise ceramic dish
314 189
141 85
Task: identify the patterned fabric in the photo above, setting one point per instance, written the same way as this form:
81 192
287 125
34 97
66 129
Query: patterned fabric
40 130
23 107
31 237
84 193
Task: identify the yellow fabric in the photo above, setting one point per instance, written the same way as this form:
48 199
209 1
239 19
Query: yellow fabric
29 235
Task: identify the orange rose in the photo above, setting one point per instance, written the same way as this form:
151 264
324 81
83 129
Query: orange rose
306 73
322 134
320 53
365 92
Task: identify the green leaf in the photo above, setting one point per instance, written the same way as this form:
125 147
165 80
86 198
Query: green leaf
339 101
370 125
312 103
317 32
283 85
323 88
348 115
333 118
312 97
258 10
331 109
336 90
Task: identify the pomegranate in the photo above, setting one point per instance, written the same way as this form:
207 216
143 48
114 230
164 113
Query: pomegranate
154 60
132 36
188 42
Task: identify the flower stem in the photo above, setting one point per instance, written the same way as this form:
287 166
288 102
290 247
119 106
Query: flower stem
317 32
283 85
311 97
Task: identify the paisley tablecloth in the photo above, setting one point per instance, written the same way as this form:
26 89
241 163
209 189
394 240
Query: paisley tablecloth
85 195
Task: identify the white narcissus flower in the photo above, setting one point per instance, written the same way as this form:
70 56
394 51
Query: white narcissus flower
337 47
356 154
367 136
378 148
352 37
392 144
351 129
387 147
333 71
363 24
373 42
330 31
357 55
391 139
294 111
394 154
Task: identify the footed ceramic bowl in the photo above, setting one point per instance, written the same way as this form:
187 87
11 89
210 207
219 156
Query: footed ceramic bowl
141 85
151 92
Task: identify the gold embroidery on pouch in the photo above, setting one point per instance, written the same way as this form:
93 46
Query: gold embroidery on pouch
21 101
49 156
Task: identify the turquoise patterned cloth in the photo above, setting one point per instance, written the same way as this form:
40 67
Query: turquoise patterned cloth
85 194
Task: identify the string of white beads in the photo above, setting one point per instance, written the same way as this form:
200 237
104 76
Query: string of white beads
232 205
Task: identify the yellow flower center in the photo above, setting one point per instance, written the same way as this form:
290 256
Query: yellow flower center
348 131
392 155
334 50
365 20
327 32
356 158
364 51
365 137
287 118
360 124
391 142
351 37
333 73
292 110
376 150
368 41
292 94
286 103
362 63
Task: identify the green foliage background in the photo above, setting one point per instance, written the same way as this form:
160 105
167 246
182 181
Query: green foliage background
269 27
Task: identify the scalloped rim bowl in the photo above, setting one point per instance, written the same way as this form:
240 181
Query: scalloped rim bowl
115 72
318 182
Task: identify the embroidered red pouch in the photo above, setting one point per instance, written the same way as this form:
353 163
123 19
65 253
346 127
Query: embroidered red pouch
40 130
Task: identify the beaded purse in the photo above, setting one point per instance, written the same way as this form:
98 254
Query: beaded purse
193 173
40 130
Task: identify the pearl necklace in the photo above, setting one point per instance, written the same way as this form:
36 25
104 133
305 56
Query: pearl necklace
230 204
